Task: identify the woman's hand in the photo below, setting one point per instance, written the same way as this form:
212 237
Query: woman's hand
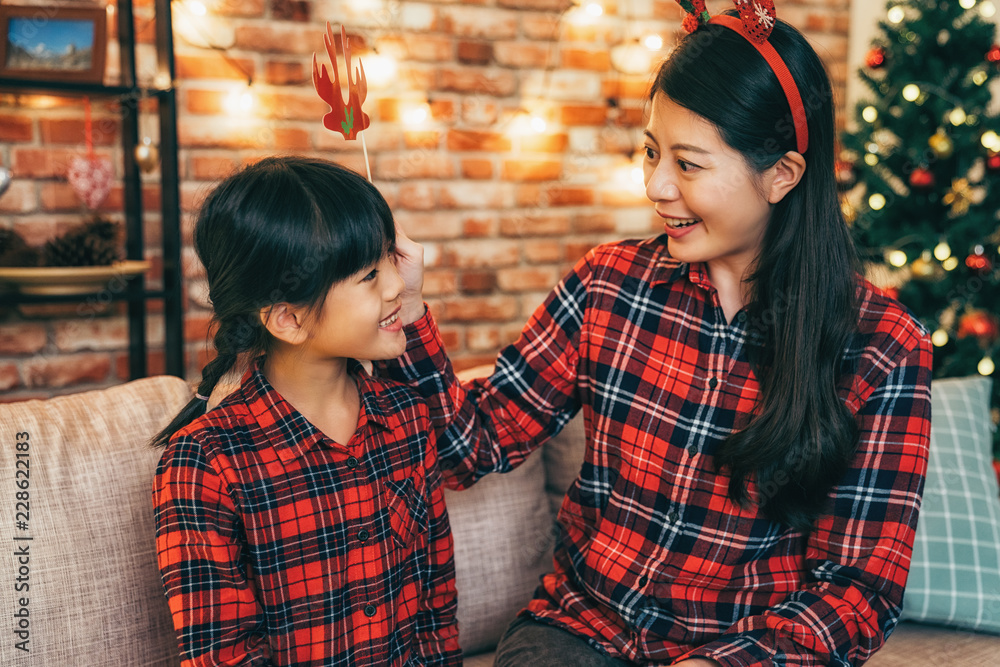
410 265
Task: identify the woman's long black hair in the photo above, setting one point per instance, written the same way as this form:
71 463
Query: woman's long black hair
283 230
803 287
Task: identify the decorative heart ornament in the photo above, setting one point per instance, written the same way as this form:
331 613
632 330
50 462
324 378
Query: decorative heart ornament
5 177
91 178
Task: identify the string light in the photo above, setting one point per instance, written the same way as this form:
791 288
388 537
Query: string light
240 101
988 10
871 159
416 114
966 4
942 251
957 116
380 70
593 9
950 264
653 42
986 366
911 92
940 338
877 203
870 114
896 15
898 258
991 140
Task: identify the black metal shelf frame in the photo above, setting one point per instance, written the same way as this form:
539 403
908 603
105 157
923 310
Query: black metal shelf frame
130 96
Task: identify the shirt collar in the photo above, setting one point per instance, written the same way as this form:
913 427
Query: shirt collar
290 433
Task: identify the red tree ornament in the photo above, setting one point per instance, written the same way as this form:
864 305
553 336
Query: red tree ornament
978 262
993 55
875 58
346 118
981 325
921 177
993 161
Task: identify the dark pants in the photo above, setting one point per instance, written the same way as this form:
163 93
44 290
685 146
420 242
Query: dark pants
528 643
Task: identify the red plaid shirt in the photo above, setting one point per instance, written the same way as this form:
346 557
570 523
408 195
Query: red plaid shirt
278 546
653 562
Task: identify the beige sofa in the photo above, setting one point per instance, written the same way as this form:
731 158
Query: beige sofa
90 592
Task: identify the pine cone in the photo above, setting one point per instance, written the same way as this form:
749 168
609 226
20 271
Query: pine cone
95 243
14 251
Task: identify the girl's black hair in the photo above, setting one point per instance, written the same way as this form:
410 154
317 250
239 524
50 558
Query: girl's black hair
803 287
283 230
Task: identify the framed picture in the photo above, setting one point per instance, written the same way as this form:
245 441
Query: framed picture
53 43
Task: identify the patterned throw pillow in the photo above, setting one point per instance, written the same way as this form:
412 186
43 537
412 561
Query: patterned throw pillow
955 574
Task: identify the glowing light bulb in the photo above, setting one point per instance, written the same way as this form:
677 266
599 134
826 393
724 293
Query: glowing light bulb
197 8
896 14
537 124
652 42
957 116
380 70
940 338
417 114
871 159
987 9
980 77
637 175
911 92
966 4
986 366
942 251
593 9
239 101
898 258
950 264
877 202
870 114
991 140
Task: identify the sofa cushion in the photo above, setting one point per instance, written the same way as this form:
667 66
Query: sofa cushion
955 573
503 531
94 592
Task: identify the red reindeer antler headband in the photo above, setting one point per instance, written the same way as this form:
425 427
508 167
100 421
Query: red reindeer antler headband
756 21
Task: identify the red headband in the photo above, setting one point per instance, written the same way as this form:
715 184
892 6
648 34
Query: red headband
757 19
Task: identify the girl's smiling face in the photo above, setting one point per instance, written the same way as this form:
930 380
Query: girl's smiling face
714 207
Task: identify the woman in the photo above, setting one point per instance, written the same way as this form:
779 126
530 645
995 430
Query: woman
757 414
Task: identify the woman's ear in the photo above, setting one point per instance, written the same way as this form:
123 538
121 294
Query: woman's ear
785 175
284 322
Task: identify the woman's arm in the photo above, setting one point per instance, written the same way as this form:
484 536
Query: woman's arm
857 558
492 424
216 615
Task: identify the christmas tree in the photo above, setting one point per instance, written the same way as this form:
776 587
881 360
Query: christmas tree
921 175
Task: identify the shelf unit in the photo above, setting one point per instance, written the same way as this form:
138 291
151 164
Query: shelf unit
129 95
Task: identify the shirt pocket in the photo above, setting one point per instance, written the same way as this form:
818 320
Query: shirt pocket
407 508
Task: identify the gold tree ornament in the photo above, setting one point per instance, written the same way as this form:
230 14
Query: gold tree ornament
959 198
941 144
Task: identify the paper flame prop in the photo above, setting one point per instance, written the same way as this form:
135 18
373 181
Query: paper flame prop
348 119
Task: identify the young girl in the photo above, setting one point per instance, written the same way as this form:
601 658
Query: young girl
301 522
757 414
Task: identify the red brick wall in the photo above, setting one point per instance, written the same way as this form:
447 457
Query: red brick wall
501 214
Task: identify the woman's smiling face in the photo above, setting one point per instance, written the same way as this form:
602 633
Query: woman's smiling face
714 207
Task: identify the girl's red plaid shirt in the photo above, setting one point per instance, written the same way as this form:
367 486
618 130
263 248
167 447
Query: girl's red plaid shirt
278 546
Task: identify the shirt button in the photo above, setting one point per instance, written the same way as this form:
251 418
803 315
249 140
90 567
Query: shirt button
692 450
352 463
713 383
643 580
673 516
370 610
742 316
363 535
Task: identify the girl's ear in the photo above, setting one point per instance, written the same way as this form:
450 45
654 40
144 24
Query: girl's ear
785 175
284 322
